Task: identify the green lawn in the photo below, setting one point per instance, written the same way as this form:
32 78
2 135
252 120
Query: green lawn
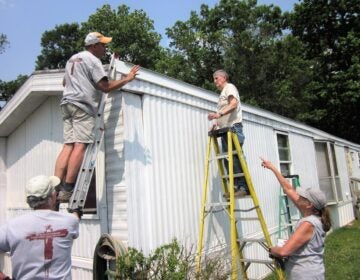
342 253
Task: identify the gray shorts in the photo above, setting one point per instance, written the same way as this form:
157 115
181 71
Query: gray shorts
78 125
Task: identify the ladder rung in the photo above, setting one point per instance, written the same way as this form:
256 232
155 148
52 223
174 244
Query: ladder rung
236 175
218 204
259 240
248 219
223 155
256 261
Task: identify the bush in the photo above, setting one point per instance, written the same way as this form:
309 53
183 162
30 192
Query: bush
170 261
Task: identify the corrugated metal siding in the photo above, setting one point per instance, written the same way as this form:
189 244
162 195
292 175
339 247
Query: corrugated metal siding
32 149
174 139
115 167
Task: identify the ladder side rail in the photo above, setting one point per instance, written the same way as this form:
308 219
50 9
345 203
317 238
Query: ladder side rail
251 189
233 229
220 165
89 163
203 203
248 180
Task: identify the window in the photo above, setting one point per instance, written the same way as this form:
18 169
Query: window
329 179
284 153
90 202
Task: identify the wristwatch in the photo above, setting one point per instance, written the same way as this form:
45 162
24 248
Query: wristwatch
221 114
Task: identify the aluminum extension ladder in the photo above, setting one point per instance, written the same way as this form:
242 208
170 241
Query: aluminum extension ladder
78 198
237 242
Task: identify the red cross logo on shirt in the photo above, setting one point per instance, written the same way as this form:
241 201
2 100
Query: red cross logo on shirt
48 236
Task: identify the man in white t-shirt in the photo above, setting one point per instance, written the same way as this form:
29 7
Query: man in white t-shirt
40 242
84 82
229 114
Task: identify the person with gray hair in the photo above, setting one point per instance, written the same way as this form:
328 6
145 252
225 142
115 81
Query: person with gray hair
40 242
229 114
304 251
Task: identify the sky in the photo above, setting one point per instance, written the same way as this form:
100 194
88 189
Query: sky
24 22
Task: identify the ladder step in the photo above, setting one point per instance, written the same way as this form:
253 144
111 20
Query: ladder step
259 240
223 155
236 175
248 219
217 204
256 261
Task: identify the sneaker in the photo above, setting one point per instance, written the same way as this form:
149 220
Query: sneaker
64 196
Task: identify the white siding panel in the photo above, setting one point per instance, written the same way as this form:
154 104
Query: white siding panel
116 189
31 149
175 136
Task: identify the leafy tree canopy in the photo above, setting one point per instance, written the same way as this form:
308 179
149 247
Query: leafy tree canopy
133 35
8 89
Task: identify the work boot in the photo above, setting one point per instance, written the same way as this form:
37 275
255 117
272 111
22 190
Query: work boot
66 192
64 196
238 193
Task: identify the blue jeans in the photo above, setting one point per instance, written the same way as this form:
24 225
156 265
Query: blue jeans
239 182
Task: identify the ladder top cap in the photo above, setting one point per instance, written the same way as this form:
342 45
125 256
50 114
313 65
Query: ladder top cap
219 132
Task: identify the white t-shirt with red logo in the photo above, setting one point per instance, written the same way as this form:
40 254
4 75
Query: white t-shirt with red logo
40 244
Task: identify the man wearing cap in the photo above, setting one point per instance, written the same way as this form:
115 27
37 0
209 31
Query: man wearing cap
40 242
84 82
305 247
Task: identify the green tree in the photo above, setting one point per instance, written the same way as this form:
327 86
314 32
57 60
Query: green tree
3 42
58 45
133 34
268 68
330 31
8 89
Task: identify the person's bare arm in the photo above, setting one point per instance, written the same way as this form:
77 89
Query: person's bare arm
301 236
106 86
231 106
285 184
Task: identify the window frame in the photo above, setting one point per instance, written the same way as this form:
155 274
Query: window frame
289 161
333 177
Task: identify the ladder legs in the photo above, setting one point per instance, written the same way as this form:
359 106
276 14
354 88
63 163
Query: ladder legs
204 195
227 185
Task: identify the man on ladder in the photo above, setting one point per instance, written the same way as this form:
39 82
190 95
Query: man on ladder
229 114
84 81
236 183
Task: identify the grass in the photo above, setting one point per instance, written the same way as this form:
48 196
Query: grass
342 253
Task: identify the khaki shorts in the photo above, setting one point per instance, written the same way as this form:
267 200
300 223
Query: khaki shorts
78 125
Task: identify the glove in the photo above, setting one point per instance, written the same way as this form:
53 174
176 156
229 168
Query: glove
77 211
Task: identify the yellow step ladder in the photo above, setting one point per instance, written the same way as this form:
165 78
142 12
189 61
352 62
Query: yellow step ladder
237 242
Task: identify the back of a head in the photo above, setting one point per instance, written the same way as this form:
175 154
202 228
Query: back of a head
39 188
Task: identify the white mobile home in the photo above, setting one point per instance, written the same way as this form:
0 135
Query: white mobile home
150 171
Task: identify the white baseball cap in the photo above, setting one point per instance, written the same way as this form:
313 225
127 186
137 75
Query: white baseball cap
96 37
41 186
